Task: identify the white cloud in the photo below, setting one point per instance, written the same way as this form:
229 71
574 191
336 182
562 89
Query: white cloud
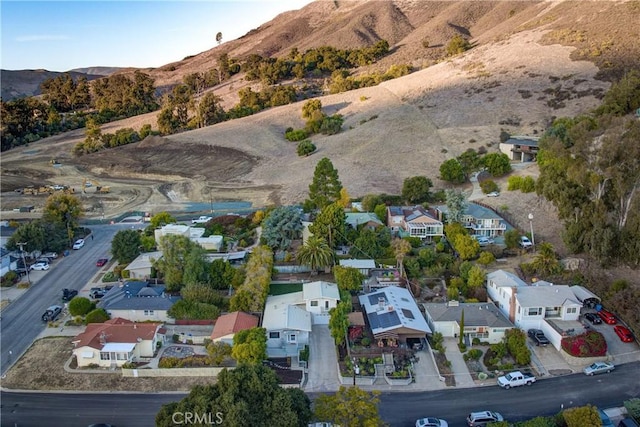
40 37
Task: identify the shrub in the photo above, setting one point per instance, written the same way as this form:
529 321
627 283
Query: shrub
109 277
589 344
79 306
489 186
305 148
473 354
366 342
528 185
437 342
304 353
9 279
296 135
99 315
514 183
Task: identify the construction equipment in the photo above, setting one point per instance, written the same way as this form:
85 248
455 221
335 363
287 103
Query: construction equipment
102 189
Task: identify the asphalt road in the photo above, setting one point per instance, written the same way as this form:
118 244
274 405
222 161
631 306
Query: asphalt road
546 397
21 321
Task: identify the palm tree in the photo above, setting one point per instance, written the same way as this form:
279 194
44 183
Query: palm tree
401 248
546 262
315 253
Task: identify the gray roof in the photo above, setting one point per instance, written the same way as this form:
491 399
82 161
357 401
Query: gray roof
546 296
531 141
504 278
475 314
474 210
137 296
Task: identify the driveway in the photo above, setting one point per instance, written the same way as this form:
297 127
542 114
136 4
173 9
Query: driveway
323 361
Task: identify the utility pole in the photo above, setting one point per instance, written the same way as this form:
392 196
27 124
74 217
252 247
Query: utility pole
24 262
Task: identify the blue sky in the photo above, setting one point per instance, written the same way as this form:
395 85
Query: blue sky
60 36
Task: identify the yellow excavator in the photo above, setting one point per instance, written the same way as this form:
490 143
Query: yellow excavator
87 183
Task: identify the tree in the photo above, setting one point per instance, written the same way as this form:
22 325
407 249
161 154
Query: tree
330 225
218 37
486 258
64 209
325 187
79 306
546 262
210 110
196 267
512 238
160 219
466 246
345 200
456 205
221 274
175 252
401 248
477 277
348 278
32 233
582 416
218 351
250 346
281 227
98 315
371 243
469 161
457 45
125 246
315 253
248 395
461 336
451 171
305 148
339 322
415 190
312 109
350 406
252 294
497 164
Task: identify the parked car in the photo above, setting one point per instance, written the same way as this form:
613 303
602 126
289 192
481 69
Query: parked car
525 243
623 333
78 244
431 422
598 368
607 317
606 421
68 294
101 262
51 313
484 240
628 422
40 265
493 194
483 418
50 255
593 318
515 379
538 337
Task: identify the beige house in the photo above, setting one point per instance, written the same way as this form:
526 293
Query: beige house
115 342
141 267
195 234
414 221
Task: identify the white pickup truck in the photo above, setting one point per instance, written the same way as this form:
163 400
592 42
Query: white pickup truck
515 379
201 220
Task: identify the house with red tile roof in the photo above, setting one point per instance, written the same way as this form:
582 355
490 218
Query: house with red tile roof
229 324
115 342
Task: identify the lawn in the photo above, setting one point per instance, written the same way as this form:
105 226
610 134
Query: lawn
284 288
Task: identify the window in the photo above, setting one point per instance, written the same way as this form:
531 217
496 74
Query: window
292 338
535 311
314 303
104 355
326 304
148 312
572 310
275 335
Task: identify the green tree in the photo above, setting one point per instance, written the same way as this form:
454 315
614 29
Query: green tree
253 292
582 416
312 109
248 395
497 164
330 225
218 351
221 274
98 315
381 212
350 406
64 209
305 148
79 306
486 258
348 278
371 243
469 161
315 253
210 110
451 171
175 252
477 277
203 293
512 238
196 267
325 187
32 233
281 227
516 341
466 246
457 45
546 261
250 346
456 206
339 322
125 246
401 248
416 189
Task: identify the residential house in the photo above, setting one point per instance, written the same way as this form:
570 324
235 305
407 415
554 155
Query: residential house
480 221
5 233
288 318
414 221
229 324
364 266
542 305
138 302
367 220
195 234
484 321
7 262
381 278
142 266
521 148
394 316
115 342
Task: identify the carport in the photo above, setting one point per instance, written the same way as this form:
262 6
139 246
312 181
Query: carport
585 296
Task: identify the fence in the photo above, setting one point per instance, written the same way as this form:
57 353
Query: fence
173 372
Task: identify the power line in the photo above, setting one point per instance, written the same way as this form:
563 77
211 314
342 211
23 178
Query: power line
24 262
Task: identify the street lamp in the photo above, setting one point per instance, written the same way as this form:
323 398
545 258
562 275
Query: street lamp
533 239
356 370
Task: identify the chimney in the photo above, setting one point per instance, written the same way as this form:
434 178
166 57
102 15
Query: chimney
103 338
381 302
512 304
135 326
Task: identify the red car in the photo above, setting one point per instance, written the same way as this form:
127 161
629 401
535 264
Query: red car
101 262
624 333
607 317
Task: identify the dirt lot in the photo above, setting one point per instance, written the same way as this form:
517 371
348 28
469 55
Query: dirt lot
50 355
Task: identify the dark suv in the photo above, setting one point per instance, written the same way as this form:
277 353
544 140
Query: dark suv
538 337
68 294
51 313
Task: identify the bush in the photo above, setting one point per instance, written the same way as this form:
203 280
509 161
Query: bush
437 342
488 186
79 306
473 354
304 353
109 277
514 183
296 135
589 344
528 185
9 279
305 148
99 315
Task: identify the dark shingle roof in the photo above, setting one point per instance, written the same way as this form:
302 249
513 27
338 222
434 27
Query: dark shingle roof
137 296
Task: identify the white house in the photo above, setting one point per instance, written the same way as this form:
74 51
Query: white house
140 268
480 221
115 342
193 233
287 325
363 265
320 297
394 316
521 148
542 305
481 320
